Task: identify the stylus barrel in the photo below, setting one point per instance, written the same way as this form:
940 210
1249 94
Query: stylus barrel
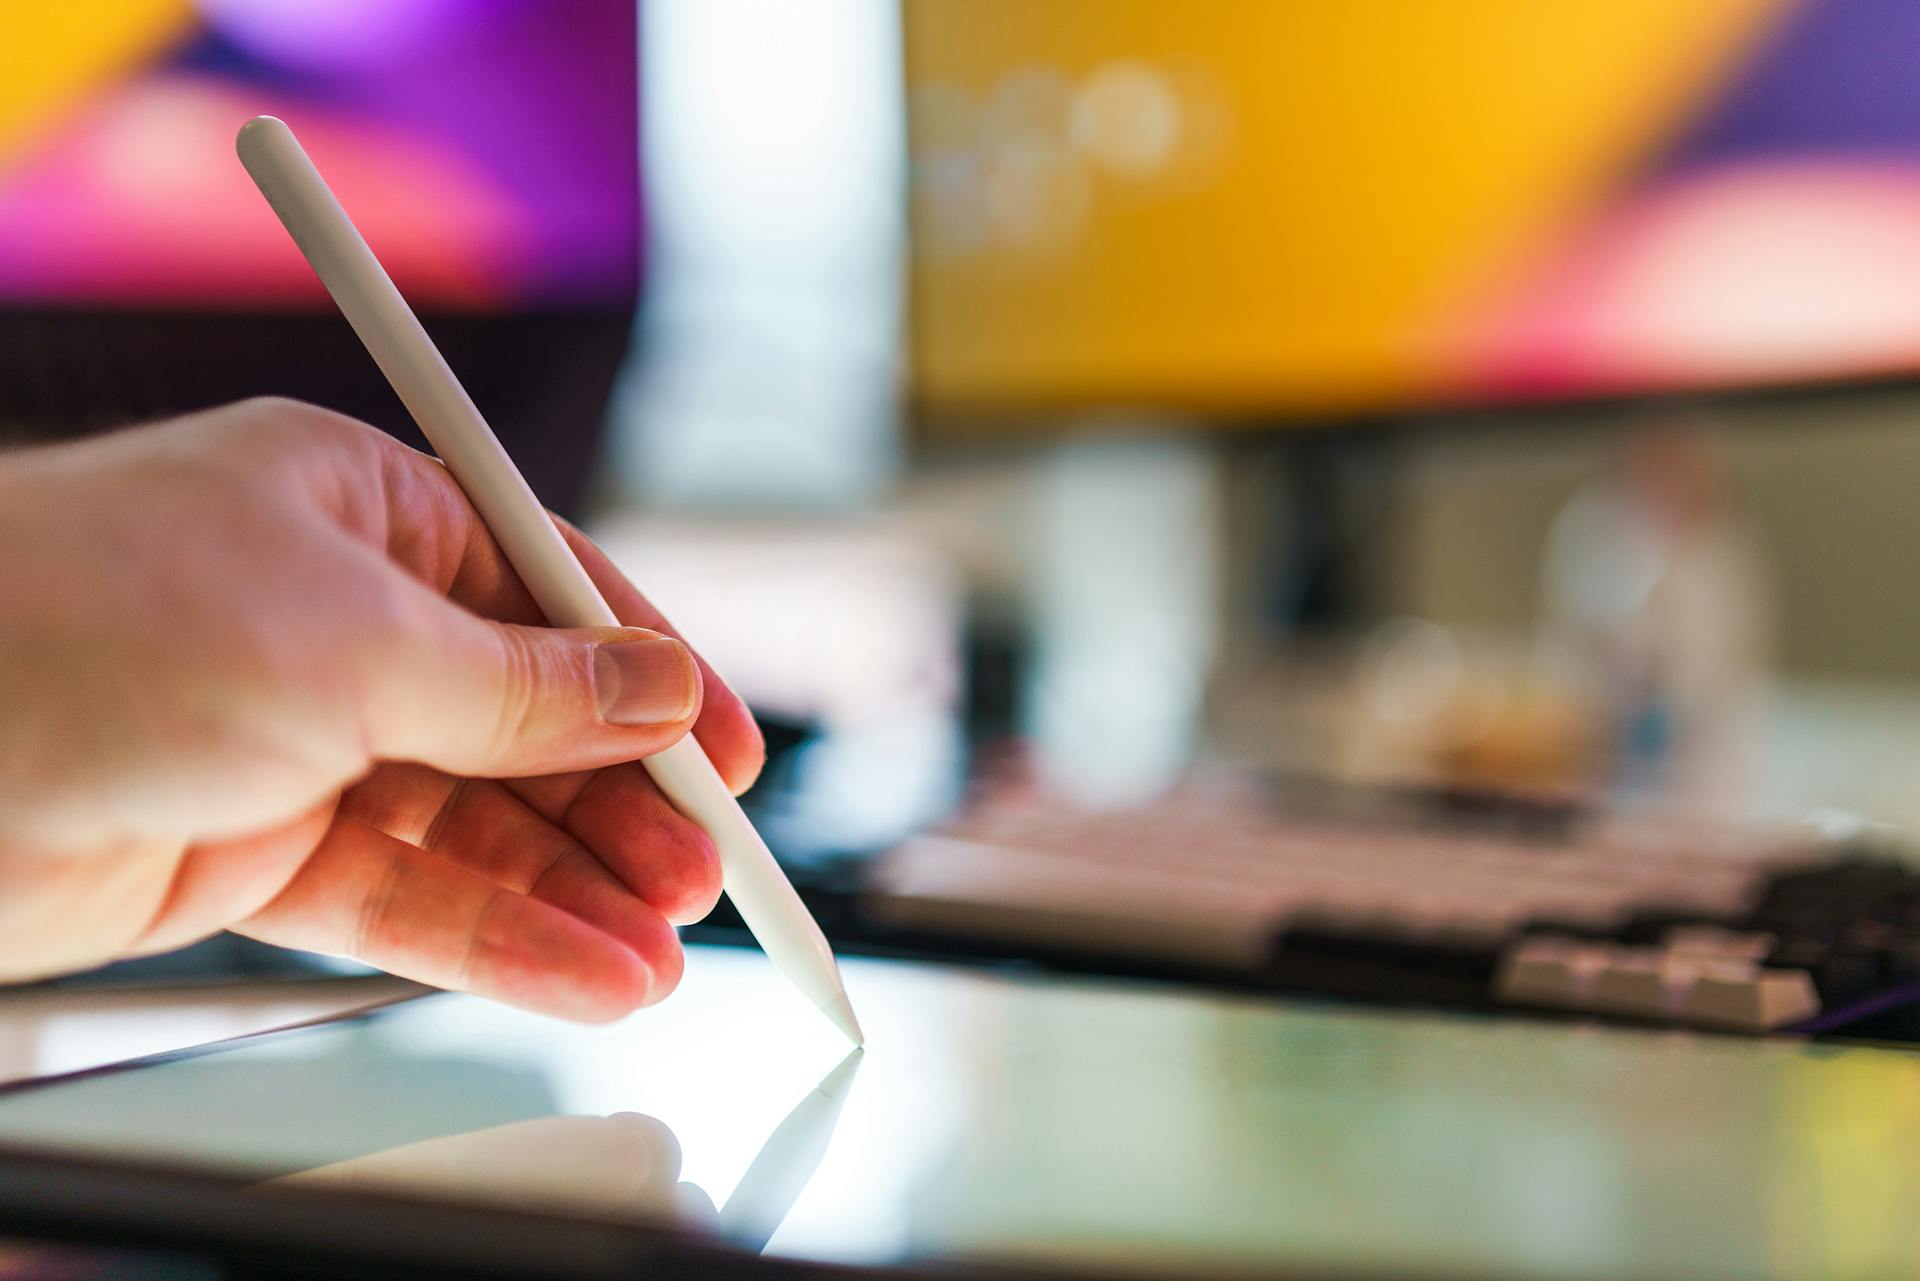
531 542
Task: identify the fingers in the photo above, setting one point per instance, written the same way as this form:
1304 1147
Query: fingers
630 845
623 817
433 532
638 841
496 699
367 895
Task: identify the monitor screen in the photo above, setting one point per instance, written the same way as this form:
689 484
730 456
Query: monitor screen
1316 208
488 149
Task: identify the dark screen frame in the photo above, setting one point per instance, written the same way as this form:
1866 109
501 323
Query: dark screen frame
544 379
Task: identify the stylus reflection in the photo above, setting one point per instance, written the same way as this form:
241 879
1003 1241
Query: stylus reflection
624 1166
787 1160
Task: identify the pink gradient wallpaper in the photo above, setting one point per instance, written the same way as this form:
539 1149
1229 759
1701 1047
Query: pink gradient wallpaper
487 148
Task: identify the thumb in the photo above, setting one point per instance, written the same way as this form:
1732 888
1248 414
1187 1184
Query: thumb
502 701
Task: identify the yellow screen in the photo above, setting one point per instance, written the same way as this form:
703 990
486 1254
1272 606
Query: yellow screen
1250 207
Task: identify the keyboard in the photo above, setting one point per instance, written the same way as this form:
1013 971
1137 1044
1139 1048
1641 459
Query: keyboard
1432 899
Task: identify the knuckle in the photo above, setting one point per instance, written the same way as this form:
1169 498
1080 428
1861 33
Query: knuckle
284 416
297 425
275 407
517 692
285 409
294 441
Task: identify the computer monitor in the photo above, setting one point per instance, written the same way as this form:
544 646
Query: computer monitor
487 148
1243 210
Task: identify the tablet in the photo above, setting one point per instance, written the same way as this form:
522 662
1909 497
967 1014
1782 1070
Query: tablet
996 1122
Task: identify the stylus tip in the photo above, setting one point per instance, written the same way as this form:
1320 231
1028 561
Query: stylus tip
840 1011
836 1083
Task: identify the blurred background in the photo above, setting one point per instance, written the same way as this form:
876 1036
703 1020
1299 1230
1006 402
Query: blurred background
1081 398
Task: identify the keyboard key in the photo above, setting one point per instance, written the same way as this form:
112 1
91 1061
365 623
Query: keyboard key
1741 998
1648 983
1552 971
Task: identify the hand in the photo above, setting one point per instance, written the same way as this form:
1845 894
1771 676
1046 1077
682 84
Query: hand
263 669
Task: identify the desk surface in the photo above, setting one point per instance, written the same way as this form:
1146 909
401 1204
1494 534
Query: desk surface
1105 1126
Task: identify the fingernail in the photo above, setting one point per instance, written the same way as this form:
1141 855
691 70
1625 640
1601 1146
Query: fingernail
644 682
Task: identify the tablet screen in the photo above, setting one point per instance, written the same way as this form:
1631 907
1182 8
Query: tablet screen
1104 1127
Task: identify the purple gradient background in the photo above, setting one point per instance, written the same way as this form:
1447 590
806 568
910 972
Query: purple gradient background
1835 78
545 98
537 99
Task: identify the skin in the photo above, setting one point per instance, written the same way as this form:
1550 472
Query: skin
263 669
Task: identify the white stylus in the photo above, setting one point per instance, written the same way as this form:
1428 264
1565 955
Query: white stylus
533 545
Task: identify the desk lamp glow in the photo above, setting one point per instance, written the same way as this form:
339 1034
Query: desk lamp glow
533 546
